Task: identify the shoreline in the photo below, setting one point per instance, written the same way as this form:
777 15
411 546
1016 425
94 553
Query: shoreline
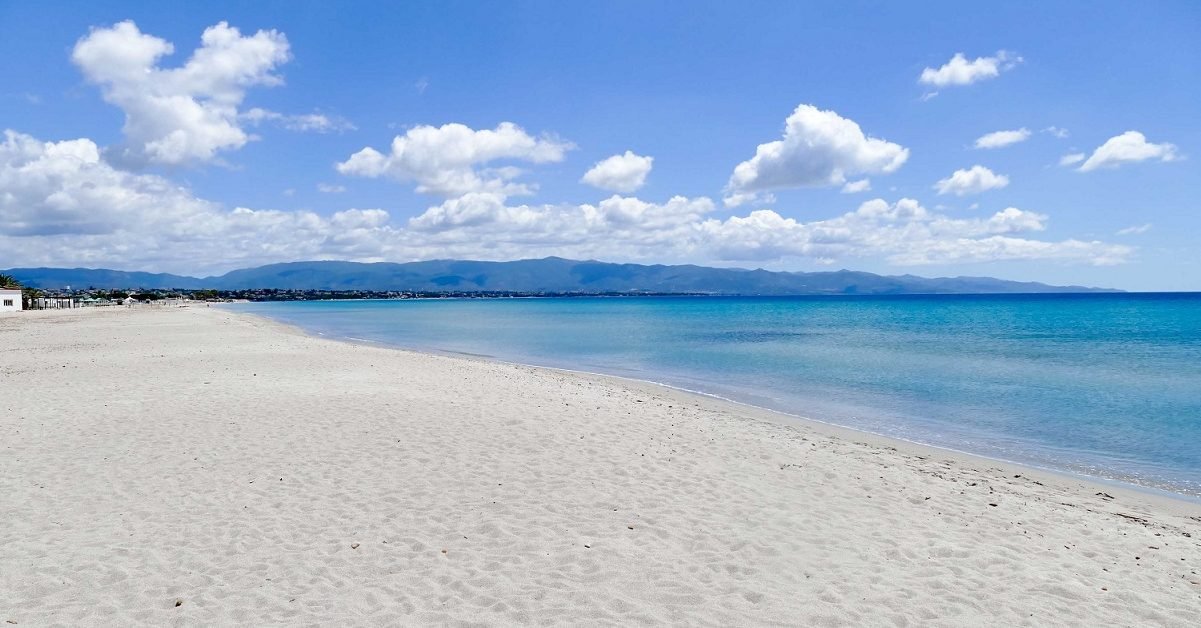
207 467
778 416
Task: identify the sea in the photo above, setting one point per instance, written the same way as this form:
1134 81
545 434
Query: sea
1104 385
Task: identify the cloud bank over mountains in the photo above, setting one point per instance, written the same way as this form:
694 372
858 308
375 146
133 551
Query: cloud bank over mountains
64 202
74 202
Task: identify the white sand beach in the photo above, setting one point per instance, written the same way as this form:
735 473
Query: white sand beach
195 466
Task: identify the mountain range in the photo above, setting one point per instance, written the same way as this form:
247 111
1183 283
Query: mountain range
550 274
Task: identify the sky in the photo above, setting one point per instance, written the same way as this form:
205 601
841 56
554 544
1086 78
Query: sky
1055 142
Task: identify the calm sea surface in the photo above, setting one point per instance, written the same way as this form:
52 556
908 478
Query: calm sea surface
1107 385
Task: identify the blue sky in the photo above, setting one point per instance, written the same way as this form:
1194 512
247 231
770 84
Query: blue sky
101 168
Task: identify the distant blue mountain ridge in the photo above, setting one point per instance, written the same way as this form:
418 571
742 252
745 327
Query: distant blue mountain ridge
551 274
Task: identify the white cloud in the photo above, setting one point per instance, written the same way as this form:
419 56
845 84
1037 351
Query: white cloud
1135 230
443 160
737 199
819 148
1014 220
613 219
617 228
854 187
327 188
65 187
904 233
1128 147
998 139
960 71
1058 132
1071 159
620 173
62 204
471 209
973 180
179 115
315 122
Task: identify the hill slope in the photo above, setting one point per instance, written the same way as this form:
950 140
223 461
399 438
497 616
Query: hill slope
551 274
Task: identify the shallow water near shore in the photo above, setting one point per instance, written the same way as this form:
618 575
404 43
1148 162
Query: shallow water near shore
1107 385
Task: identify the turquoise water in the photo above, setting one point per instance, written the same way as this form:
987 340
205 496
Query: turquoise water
1106 385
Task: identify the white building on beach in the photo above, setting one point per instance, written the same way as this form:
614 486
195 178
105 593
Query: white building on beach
54 303
10 300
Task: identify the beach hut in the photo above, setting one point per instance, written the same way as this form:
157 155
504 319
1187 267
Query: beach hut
58 302
10 299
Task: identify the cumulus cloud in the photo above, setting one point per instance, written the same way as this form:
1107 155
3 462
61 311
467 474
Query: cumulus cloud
1128 147
180 115
904 233
1071 159
1058 132
854 187
49 188
973 180
620 173
819 148
1014 220
960 71
998 139
61 203
315 122
613 219
445 160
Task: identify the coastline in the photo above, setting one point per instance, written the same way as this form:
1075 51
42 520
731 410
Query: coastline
396 486
1109 484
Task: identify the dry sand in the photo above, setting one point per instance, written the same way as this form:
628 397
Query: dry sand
200 467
